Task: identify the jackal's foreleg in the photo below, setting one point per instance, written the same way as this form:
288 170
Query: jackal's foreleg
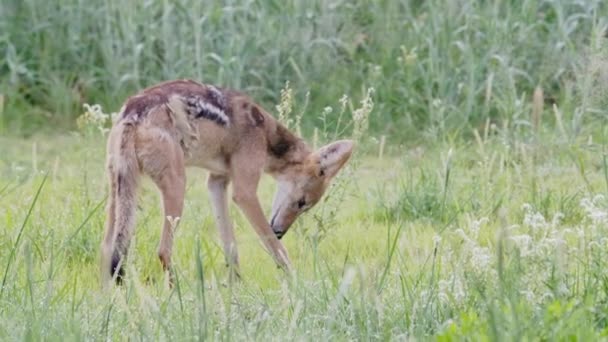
218 186
246 169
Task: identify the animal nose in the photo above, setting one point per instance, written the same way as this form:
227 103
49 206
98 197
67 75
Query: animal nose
278 232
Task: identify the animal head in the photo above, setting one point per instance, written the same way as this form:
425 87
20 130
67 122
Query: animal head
302 185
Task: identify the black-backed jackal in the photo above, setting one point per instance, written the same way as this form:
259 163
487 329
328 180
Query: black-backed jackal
167 127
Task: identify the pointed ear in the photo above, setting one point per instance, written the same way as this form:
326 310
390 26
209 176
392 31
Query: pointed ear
332 157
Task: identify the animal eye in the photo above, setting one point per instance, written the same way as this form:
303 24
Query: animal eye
301 203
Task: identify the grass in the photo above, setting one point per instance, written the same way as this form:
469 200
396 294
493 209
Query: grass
440 67
509 246
475 207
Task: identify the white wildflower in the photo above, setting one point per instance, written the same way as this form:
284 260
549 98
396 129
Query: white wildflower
594 210
343 102
475 226
534 219
554 242
93 117
481 258
286 105
460 232
451 289
523 242
436 240
361 115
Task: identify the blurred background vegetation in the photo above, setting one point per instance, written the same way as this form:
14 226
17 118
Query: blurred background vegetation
440 68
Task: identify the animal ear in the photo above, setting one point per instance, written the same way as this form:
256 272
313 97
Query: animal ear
332 157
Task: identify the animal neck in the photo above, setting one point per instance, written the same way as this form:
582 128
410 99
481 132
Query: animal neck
285 149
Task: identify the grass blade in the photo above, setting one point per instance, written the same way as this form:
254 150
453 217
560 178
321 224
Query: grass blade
16 244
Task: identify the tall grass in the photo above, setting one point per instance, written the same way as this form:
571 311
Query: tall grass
438 66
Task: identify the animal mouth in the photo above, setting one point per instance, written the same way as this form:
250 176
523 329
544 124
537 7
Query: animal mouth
278 233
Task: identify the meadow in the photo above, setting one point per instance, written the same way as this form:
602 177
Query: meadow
474 208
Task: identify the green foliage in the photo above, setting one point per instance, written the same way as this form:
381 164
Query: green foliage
437 66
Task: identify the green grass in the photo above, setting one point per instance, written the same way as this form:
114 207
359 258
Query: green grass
509 246
476 223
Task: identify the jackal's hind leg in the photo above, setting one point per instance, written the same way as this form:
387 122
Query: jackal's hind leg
167 170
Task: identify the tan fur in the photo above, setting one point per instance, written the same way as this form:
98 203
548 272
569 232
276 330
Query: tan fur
176 124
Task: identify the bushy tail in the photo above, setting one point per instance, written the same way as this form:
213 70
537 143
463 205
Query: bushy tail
123 173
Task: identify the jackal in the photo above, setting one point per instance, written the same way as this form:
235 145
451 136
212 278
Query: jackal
175 124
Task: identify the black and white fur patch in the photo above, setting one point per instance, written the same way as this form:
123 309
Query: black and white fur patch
216 97
211 108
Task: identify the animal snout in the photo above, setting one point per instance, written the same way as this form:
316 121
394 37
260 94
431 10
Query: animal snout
276 229
272 221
